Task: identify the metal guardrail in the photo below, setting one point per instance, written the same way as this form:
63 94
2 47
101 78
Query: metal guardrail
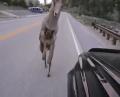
108 32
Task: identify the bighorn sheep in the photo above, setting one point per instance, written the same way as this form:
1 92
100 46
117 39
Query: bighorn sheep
48 32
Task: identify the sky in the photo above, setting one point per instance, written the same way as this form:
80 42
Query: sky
42 1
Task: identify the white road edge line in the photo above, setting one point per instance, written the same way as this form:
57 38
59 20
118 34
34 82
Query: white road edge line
78 47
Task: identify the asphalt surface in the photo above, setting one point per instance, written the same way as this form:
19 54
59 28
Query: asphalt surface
89 38
22 72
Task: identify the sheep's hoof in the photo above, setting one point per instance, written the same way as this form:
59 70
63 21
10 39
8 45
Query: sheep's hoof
43 58
48 75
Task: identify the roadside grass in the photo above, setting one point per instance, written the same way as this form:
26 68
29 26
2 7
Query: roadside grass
87 20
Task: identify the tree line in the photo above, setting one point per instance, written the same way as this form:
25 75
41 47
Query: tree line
109 9
21 3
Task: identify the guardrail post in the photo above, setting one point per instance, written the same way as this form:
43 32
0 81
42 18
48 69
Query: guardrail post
108 36
103 33
114 41
108 32
100 31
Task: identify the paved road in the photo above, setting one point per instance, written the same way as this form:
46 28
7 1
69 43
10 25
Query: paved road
90 38
22 72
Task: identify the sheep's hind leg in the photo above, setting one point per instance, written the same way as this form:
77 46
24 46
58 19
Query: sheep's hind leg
44 55
45 61
49 70
51 51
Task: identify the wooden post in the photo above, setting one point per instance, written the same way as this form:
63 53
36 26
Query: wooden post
103 33
114 41
100 31
108 36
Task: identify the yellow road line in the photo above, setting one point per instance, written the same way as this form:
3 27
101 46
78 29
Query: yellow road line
19 30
